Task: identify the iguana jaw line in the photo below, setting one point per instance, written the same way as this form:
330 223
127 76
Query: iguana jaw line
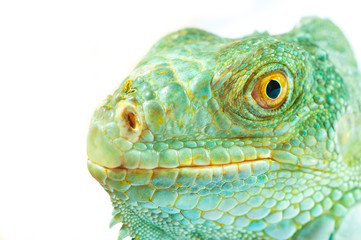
188 166
269 160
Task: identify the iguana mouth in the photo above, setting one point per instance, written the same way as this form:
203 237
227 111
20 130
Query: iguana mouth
269 160
139 156
241 170
200 166
121 155
244 169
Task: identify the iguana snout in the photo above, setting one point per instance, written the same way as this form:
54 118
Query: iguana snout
113 132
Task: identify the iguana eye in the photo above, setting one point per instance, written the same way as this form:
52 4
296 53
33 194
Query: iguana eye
270 90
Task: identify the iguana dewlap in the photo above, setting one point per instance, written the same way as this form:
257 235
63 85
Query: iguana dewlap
250 138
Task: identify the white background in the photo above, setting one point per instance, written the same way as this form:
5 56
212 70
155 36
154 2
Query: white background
59 59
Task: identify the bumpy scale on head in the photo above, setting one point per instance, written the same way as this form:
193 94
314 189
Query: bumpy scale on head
250 138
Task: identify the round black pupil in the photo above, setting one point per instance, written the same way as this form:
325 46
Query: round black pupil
273 89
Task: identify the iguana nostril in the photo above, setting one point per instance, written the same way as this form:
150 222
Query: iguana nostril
133 121
129 120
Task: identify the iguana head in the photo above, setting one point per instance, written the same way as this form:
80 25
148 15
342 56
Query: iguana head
217 138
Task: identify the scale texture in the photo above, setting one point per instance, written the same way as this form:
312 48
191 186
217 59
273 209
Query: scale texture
249 138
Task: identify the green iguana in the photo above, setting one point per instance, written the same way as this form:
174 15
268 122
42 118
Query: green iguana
249 138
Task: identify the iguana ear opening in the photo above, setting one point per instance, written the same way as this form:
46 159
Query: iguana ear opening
328 36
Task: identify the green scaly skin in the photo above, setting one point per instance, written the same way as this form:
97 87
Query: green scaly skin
185 152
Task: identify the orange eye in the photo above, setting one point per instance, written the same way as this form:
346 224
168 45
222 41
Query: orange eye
271 90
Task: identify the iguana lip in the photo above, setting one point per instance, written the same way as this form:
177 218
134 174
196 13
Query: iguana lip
242 170
104 154
122 154
187 166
